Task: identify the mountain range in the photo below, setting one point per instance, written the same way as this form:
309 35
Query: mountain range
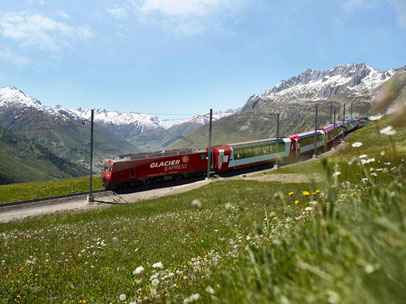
65 132
352 86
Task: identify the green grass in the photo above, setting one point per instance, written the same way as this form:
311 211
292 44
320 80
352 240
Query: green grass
26 191
65 257
251 242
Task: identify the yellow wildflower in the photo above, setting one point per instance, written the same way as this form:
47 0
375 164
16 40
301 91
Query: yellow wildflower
296 202
332 186
290 193
343 195
306 193
317 191
353 193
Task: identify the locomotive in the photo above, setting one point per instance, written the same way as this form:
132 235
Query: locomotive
152 167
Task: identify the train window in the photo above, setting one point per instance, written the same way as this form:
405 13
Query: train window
203 157
257 151
281 147
238 154
265 150
248 152
118 167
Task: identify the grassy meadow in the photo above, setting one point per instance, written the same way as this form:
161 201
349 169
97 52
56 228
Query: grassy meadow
342 241
27 191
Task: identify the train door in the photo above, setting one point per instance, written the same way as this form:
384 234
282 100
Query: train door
131 169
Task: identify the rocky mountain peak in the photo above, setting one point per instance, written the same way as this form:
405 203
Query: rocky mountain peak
348 80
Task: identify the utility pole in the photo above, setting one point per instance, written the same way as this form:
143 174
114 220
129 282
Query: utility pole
345 127
209 149
334 132
277 142
351 108
331 112
315 134
90 197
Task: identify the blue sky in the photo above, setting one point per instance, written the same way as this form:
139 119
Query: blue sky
186 56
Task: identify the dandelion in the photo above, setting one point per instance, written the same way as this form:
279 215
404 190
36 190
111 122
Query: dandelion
388 131
290 193
209 290
357 144
197 204
158 265
138 270
296 202
306 193
122 297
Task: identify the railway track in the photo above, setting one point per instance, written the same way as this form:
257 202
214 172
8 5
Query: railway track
51 200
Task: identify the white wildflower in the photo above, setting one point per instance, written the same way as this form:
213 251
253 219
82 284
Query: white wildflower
382 153
308 208
374 174
337 173
363 156
122 297
375 117
357 144
197 204
158 265
192 298
388 131
155 282
209 290
369 268
138 270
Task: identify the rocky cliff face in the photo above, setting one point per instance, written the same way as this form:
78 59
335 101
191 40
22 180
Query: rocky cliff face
345 82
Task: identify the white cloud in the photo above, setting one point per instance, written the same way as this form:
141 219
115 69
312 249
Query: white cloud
32 2
117 12
400 9
351 6
37 30
9 56
189 17
63 14
179 7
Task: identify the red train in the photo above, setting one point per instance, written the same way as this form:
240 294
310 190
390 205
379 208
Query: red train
146 168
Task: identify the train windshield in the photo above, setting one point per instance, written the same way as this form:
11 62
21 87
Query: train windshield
107 168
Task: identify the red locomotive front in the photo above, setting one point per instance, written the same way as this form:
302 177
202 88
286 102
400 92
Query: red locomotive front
145 168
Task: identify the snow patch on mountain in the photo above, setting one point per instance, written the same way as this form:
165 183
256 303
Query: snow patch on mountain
313 85
204 119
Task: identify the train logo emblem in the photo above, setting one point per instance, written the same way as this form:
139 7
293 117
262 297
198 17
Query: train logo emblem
185 159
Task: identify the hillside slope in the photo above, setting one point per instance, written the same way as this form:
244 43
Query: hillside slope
22 160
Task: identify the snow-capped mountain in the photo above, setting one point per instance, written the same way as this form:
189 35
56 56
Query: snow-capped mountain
204 119
12 97
127 124
349 81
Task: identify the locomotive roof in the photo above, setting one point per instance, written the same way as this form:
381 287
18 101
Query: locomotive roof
156 154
